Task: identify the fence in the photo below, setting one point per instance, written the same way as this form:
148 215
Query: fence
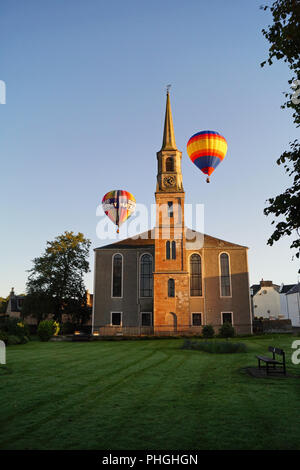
164 330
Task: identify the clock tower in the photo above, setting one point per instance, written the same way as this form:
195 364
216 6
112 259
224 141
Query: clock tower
171 282
169 177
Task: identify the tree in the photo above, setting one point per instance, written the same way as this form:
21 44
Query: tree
284 38
55 283
3 304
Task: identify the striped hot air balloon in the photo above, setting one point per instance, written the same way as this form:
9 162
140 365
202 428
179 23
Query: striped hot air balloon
207 149
118 205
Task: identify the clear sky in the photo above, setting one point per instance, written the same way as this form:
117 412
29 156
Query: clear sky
84 114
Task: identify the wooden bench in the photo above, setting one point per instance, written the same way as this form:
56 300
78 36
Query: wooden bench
273 361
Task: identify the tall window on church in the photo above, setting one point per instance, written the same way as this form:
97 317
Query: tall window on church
173 249
171 288
170 164
195 275
117 272
170 209
168 250
225 275
146 276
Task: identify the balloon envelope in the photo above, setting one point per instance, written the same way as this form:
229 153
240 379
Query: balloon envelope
207 149
118 205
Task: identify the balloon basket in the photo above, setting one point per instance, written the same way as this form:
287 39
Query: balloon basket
207 180
118 231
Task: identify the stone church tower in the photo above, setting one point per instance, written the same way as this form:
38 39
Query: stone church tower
163 282
171 283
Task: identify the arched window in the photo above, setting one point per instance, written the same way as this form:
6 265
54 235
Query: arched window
195 275
225 275
170 164
117 274
171 288
168 250
146 276
173 250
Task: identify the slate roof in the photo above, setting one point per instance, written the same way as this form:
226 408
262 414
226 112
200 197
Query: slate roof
286 288
145 239
294 289
255 288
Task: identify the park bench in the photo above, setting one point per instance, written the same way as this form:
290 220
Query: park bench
273 361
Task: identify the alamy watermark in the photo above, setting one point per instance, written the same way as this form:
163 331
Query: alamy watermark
165 224
296 354
2 92
2 352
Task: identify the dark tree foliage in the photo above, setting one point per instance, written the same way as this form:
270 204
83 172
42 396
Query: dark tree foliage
55 284
284 37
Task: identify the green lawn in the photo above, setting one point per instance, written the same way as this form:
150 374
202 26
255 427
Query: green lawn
145 395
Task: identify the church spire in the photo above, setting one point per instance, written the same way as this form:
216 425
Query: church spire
169 136
169 177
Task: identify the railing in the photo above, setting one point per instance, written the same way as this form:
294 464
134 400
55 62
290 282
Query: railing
164 330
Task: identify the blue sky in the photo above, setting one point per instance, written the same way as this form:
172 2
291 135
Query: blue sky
84 114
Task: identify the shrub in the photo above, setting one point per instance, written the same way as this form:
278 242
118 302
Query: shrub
226 331
208 331
216 347
67 328
13 339
4 336
15 327
46 329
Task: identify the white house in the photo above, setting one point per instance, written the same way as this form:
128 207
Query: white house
293 305
266 300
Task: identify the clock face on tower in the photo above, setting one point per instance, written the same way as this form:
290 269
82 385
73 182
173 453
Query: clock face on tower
169 181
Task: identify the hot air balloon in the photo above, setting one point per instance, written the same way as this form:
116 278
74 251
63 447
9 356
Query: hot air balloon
118 205
207 149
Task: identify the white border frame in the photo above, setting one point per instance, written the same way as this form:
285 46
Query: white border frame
116 311
220 276
227 311
112 274
202 316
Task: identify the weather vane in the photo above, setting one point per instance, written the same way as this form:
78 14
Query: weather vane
168 88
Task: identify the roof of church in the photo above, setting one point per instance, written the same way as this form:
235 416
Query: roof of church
145 239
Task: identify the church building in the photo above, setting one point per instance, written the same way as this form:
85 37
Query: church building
164 282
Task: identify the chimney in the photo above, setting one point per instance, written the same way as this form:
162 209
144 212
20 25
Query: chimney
266 283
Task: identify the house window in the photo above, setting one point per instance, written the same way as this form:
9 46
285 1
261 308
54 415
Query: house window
146 276
195 276
173 250
146 319
227 317
116 318
171 288
196 319
225 276
168 250
170 164
117 275
170 209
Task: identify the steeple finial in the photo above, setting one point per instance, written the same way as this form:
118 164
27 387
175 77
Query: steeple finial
169 136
